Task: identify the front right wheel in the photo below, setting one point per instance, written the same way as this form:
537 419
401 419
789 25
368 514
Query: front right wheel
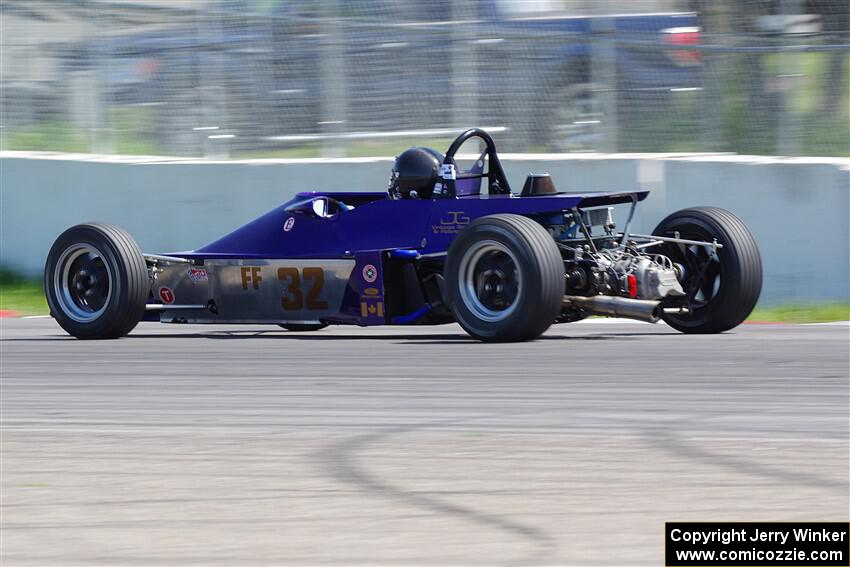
504 278
721 287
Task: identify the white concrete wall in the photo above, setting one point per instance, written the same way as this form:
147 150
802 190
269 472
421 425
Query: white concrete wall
798 208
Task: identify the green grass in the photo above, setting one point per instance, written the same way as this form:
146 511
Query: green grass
803 313
355 148
26 297
23 297
47 136
742 125
756 130
809 85
129 135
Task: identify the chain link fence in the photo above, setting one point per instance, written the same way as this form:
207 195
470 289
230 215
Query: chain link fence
303 78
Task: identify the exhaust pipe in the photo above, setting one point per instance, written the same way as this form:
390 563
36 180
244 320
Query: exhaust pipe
612 306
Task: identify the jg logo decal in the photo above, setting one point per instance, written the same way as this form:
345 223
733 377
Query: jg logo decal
370 274
451 223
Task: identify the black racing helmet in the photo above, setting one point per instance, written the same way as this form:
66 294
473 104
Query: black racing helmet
414 173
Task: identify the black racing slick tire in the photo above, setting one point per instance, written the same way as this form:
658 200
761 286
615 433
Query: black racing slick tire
504 278
303 327
96 281
722 291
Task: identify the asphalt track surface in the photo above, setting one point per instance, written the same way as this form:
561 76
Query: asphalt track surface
190 445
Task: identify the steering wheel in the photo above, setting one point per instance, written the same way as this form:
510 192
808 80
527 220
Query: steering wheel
497 183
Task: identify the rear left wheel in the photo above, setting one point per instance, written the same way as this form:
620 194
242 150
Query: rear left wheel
96 281
504 278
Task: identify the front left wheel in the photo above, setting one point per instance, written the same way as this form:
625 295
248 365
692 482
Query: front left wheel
303 327
504 278
96 281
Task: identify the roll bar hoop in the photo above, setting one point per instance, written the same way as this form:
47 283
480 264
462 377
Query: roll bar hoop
497 181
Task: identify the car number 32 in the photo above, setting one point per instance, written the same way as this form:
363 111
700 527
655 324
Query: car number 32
293 298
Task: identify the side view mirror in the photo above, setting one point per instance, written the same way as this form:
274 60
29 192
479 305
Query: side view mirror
321 208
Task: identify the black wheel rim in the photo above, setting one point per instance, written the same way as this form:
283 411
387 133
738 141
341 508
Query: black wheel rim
82 283
699 267
490 281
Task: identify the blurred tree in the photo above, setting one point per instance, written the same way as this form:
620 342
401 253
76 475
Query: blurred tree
732 23
835 17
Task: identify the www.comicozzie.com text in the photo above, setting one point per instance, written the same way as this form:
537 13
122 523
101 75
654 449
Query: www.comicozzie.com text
743 534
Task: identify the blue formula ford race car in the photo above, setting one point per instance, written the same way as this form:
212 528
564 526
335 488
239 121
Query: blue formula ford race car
441 245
